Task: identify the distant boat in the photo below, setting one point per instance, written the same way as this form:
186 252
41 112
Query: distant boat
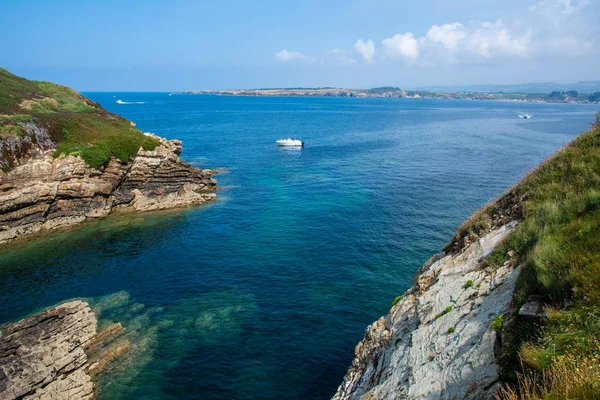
120 102
289 142
524 116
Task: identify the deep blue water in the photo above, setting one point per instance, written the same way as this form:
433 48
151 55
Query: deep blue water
264 293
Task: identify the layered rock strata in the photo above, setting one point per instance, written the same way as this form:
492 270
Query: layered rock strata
438 340
55 354
39 192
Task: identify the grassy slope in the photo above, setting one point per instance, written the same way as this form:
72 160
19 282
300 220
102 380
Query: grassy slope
558 245
77 125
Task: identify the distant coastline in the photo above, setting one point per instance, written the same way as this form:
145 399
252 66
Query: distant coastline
389 92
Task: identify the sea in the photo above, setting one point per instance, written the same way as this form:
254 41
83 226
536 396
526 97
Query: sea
265 292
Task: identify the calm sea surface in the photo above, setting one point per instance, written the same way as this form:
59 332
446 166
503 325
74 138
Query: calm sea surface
264 293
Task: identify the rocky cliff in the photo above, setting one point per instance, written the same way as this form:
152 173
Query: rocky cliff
441 338
438 341
40 192
517 286
56 353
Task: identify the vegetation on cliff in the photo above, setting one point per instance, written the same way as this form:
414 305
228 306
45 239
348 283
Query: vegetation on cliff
558 245
76 124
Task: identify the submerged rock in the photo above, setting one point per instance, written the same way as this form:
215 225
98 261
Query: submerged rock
39 192
437 342
47 356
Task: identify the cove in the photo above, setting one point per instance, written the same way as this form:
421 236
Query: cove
265 292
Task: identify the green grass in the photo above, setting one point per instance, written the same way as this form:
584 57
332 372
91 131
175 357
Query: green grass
67 98
77 125
446 311
16 118
396 300
13 90
10 130
97 140
557 244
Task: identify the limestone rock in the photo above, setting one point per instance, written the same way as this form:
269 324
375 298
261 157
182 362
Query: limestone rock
39 192
437 342
46 356
39 354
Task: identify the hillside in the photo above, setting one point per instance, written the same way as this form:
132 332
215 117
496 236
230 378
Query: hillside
510 308
75 124
64 160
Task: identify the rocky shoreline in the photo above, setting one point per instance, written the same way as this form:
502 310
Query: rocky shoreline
39 192
438 341
394 93
56 354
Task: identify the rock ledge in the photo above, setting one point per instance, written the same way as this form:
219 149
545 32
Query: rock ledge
39 192
46 356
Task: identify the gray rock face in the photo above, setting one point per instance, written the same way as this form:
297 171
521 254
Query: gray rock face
437 342
38 192
54 354
42 356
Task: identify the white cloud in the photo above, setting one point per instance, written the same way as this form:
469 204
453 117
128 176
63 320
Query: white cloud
286 56
341 56
447 34
550 27
487 39
404 45
557 28
564 7
365 49
566 27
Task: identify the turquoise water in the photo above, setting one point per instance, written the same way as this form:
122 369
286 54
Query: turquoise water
264 293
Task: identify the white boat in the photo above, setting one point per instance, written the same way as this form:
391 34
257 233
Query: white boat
524 116
120 102
289 142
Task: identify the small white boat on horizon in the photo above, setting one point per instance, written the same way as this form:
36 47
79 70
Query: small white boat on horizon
525 116
120 101
289 142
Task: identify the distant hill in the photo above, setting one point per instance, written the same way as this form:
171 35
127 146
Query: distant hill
534 88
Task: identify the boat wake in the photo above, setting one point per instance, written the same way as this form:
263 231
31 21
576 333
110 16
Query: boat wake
130 102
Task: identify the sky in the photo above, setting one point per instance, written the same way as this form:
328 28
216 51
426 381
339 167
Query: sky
222 44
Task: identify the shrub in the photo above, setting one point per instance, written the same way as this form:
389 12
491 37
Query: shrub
396 300
469 284
446 311
149 143
451 329
498 323
123 145
96 156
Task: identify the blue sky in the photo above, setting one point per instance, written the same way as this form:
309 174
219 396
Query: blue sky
179 45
